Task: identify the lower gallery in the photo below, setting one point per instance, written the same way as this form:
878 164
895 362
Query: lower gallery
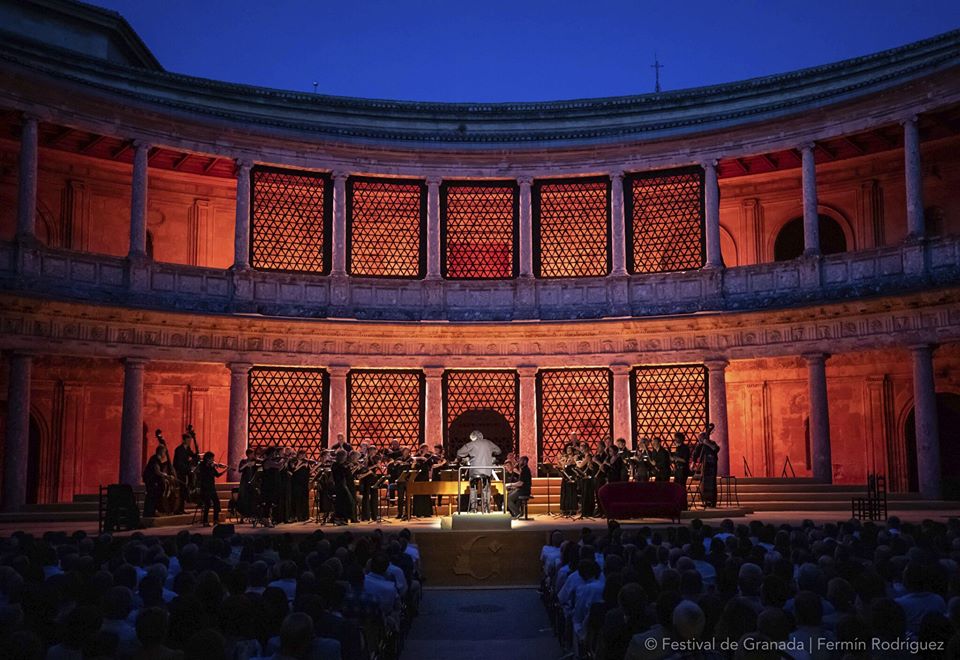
396 345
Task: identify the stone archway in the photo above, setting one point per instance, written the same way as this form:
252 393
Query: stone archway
34 451
948 422
789 242
491 423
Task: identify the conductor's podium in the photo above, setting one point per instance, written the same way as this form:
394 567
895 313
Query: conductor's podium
443 488
630 499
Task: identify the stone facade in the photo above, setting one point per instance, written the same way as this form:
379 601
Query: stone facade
127 293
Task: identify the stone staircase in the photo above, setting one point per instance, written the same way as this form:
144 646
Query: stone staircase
756 495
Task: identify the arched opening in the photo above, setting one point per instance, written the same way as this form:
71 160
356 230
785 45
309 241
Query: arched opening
148 244
789 243
491 423
33 462
948 422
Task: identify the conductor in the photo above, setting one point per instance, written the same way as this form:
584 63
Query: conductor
479 452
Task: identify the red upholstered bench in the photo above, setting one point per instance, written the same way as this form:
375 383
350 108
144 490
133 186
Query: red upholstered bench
629 499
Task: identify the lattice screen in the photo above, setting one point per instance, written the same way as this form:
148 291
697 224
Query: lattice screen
290 219
479 222
573 401
387 219
288 408
571 221
496 390
664 220
668 399
384 406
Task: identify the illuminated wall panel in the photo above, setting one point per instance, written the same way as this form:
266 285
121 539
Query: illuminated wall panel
479 390
664 220
573 401
571 227
387 226
479 224
288 408
668 399
385 405
290 217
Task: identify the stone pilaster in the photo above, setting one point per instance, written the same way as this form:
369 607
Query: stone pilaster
925 419
338 252
913 179
711 204
241 228
338 403
138 202
819 417
811 219
528 416
17 440
27 183
621 403
526 227
131 424
433 409
433 228
717 386
618 229
237 430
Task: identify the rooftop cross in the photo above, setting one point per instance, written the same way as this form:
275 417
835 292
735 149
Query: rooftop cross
656 66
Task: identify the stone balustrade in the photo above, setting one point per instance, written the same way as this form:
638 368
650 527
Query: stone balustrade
69 275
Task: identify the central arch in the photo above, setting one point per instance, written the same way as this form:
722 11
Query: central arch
491 423
948 423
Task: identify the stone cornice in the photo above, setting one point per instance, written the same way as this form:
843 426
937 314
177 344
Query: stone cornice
494 125
47 327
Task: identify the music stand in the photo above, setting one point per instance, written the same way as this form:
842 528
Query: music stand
549 470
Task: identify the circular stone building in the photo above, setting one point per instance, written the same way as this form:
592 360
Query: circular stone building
779 256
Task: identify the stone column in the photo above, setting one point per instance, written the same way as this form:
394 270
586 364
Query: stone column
138 202
241 227
618 229
433 228
819 417
913 174
526 227
711 211
338 403
811 219
237 431
716 372
27 196
17 442
528 416
621 403
338 240
433 406
925 419
131 424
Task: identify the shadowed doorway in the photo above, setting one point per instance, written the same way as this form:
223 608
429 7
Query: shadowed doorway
948 423
491 423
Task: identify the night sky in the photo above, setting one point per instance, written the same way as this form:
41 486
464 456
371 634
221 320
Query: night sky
516 50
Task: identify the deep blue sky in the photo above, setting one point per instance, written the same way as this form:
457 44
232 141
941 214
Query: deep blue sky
516 50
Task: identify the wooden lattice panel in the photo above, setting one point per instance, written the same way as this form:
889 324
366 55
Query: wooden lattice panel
664 221
496 390
573 402
571 221
288 408
668 399
384 405
479 223
290 220
387 219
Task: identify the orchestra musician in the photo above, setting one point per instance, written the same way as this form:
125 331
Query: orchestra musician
588 483
519 487
614 466
568 484
207 473
625 455
270 486
423 462
345 506
367 477
300 487
396 469
661 461
249 469
159 484
185 459
681 459
708 452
